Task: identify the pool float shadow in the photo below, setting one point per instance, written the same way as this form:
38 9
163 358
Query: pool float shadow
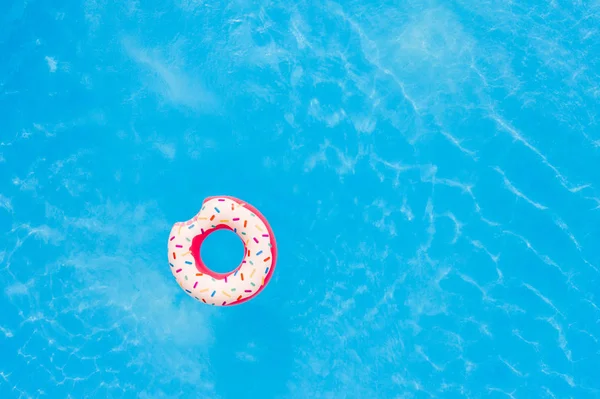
252 354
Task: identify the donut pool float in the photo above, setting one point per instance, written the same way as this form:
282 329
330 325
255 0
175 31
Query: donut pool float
244 282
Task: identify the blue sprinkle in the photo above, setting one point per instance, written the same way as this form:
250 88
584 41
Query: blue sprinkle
217 209
188 291
187 262
191 225
213 294
171 264
259 252
266 270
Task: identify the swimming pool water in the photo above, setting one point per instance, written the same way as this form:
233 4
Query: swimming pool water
429 169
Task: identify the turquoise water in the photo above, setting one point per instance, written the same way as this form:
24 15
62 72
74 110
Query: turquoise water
429 169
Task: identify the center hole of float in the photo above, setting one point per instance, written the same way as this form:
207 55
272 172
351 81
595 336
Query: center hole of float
222 251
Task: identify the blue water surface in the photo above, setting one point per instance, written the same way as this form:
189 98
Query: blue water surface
430 170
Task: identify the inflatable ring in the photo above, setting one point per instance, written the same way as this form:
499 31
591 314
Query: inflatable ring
249 278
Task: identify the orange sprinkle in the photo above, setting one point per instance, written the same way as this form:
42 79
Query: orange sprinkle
198 274
212 218
266 259
174 255
232 206
263 281
242 275
248 252
245 223
239 297
203 300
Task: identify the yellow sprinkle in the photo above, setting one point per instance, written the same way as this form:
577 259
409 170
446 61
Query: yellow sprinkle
206 289
263 281
226 294
258 227
252 274
185 254
224 221
202 218
180 227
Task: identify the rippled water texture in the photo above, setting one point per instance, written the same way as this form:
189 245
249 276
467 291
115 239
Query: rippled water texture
430 170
